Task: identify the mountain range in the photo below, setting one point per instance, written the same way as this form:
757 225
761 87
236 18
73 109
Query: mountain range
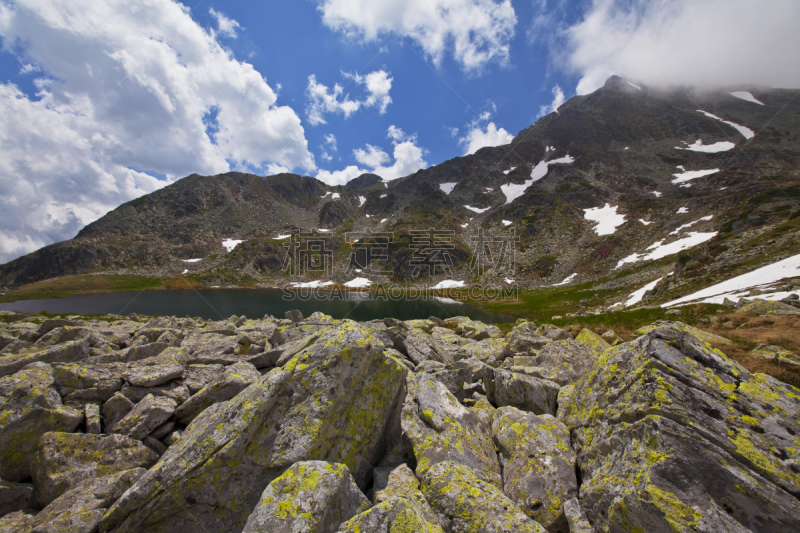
619 187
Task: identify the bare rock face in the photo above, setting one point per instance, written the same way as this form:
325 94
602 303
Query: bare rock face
394 514
313 496
671 434
338 400
538 465
441 429
30 408
63 460
470 504
14 497
80 509
233 381
146 416
528 393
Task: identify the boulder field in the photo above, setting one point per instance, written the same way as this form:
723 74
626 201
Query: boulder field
123 424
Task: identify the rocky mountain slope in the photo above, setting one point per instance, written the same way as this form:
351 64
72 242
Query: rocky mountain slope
116 424
620 186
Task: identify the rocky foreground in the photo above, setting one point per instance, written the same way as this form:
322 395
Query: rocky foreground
323 425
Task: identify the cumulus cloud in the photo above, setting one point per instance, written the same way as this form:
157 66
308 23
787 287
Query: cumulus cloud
408 158
481 133
705 44
558 99
322 100
225 25
476 32
149 93
329 145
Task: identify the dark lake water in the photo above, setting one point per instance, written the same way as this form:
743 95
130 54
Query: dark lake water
253 303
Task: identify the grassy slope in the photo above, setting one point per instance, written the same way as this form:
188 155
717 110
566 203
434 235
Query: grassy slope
93 284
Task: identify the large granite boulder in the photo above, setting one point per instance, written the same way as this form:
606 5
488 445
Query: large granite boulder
402 483
441 429
538 465
147 415
395 515
562 362
65 459
62 353
29 407
312 496
338 400
469 504
14 497
234 380
525 392
673 435
80 509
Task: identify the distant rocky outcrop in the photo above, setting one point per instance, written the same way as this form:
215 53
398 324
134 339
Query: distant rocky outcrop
324 425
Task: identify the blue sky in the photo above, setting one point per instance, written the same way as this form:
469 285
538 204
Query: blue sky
105 101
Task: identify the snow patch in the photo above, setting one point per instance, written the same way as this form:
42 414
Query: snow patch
509 171
358 283
657 194
606 217
634 86
566 280
449 284
745 95
688 175
766 275
384 220
185 270
447 188
512 191
636 296
446 300
477 209
324 230
282 237
643 221
465 225
507 222
384 195
311 284
192 260
690 224
659 249
508 281
698 146
230 244
362 200
747 132
682 211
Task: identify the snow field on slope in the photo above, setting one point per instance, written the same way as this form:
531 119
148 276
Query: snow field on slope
606 217
512 191
766 275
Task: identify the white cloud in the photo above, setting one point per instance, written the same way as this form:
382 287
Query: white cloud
330 144
408 158
322 100
225 25
706 44
476 32
558 99
372 157
479 136
133 99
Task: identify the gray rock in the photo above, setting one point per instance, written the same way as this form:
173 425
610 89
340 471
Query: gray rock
14 497
554 332
80 509
195 377
115 410
538 465
449 341
145 416
563 361
213 476
392 515
454 377
63 353
30 407
576 518
294 315
235 379
402 483
163 430
63 460
470 504
441 429
489 351
313 496
174 390
210 349
17 522
420 346
777 354
691 440
524 392
525 339
91 414
155 445
150 376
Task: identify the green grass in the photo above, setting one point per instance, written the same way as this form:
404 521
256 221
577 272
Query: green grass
90 284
